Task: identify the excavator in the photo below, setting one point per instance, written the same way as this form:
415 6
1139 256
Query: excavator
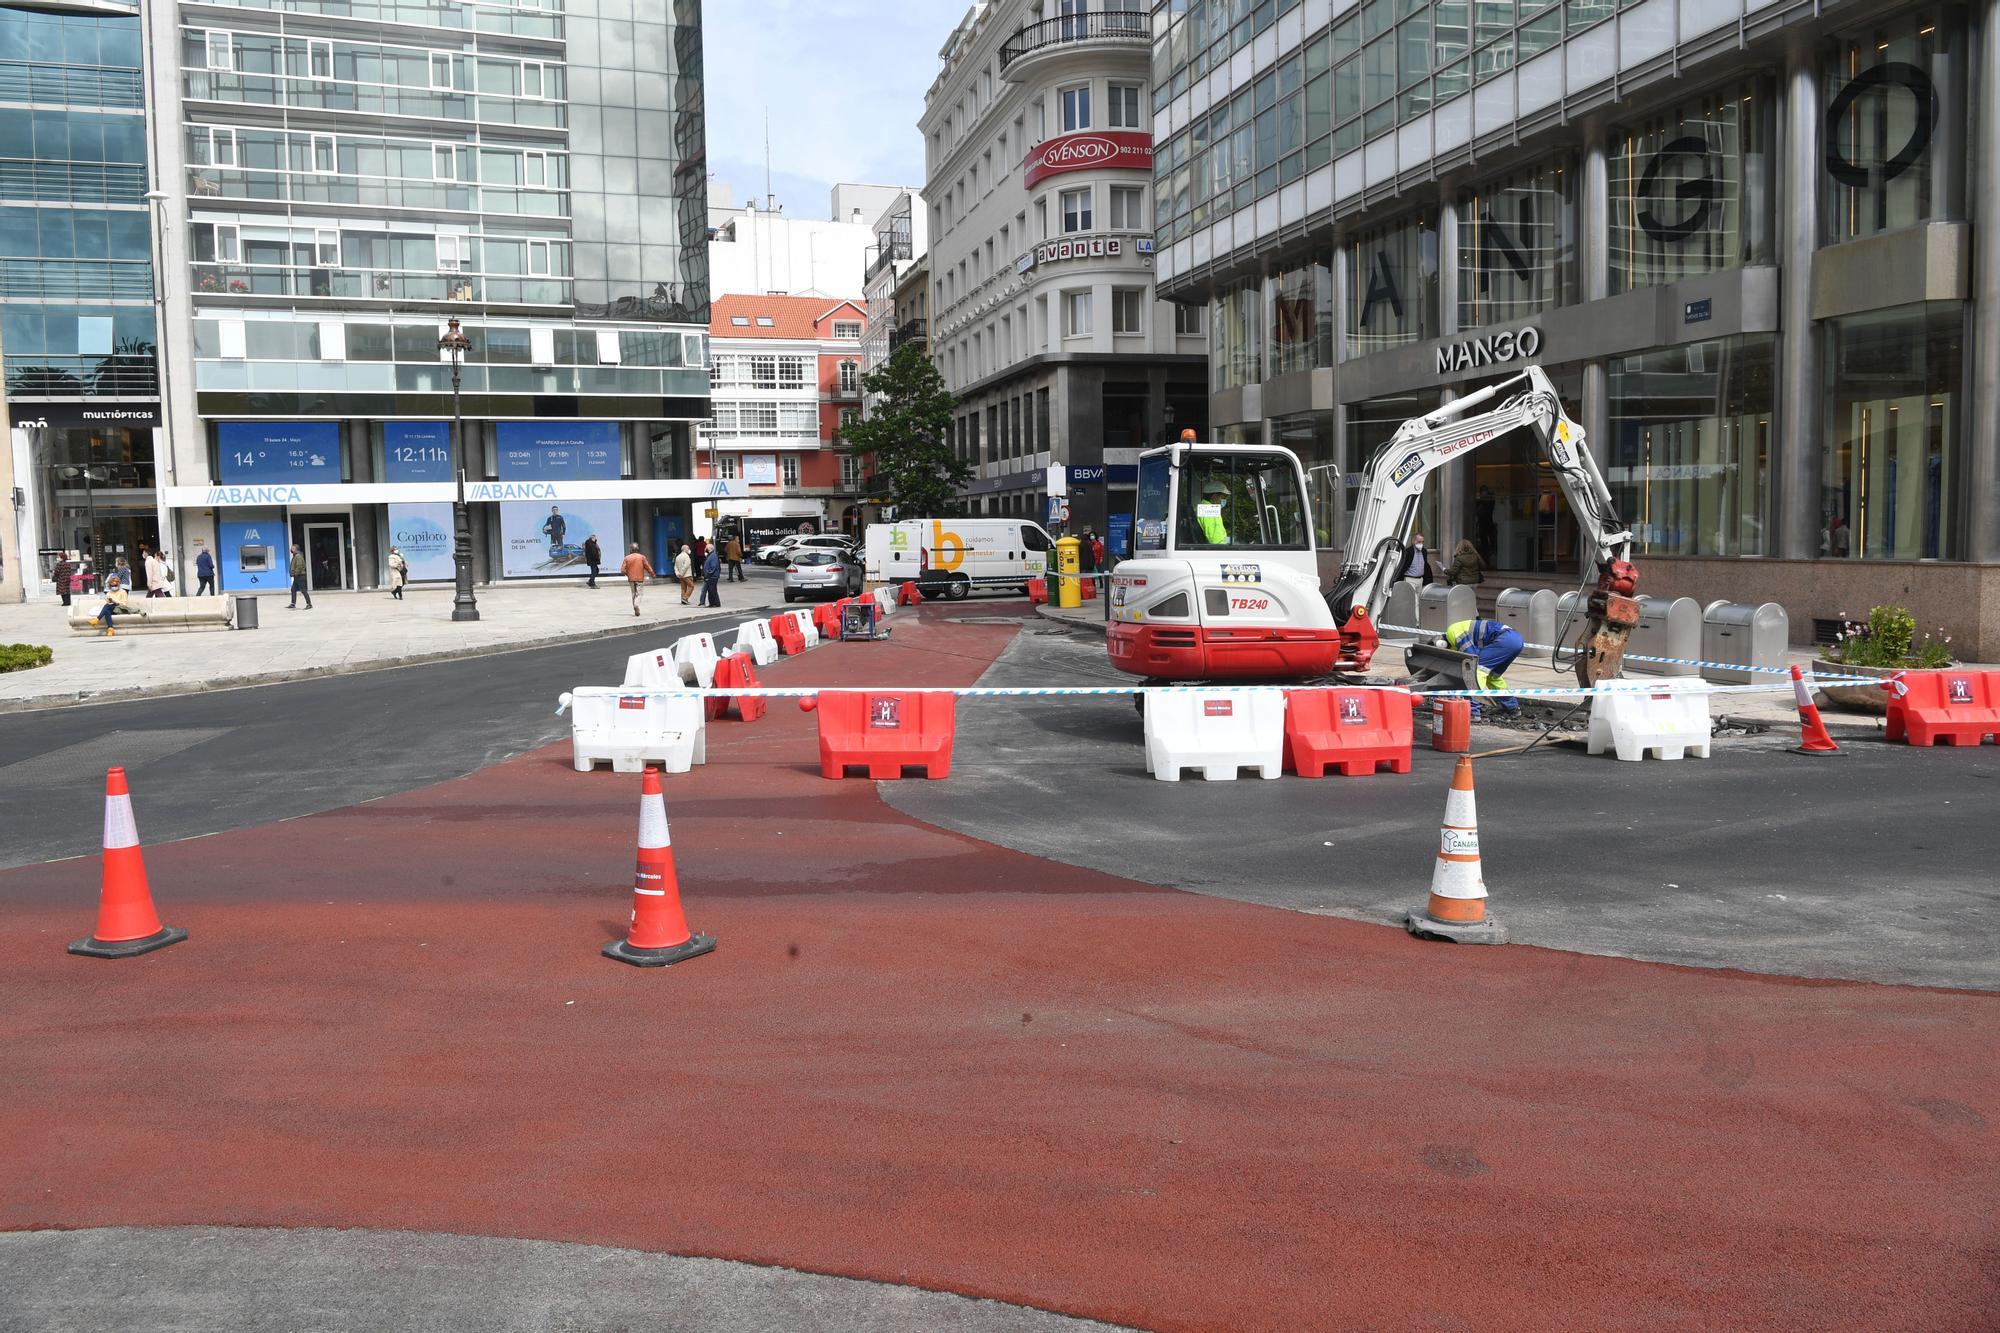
1224 584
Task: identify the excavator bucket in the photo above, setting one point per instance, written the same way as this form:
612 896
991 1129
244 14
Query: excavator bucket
1435 668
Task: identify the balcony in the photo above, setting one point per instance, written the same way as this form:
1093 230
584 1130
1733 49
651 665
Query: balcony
1124 28
362 284
914 330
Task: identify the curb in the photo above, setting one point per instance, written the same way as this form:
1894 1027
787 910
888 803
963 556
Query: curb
43 702
1090 628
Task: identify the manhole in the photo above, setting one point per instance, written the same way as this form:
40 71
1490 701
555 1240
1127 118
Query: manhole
88 759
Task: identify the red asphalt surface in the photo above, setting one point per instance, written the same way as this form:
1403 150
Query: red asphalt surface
922 1059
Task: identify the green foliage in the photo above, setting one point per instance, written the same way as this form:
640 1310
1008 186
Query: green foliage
908 430
23 656
1886 641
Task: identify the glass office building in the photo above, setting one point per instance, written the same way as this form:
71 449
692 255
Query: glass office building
342 177
1741 236
77 314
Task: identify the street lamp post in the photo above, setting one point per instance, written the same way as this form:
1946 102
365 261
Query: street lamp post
464 606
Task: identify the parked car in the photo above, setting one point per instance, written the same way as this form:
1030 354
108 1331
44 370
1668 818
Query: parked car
775 553
821 574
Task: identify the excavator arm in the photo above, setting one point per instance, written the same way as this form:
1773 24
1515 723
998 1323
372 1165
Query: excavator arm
1378 545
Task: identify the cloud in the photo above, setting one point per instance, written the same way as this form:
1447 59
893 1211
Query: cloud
844 83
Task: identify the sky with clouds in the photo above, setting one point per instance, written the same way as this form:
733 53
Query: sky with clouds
844 83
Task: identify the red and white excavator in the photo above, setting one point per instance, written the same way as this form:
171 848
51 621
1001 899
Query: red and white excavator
1224 583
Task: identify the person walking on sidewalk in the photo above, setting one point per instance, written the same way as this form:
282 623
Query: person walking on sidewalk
637 569
158 574
399 573
65 567
204 574
1467 569
732 551
711 570
298 568
684 571
593 555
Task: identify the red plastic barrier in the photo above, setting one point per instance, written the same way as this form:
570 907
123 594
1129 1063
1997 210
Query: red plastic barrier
737 669
1956 707
1038 591
1089 588
791 640
1349 731
826 618
1451 725
885 733
907 594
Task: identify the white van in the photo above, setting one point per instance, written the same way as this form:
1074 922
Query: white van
955 557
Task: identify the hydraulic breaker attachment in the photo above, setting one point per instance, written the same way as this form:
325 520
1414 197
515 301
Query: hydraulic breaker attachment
1612 614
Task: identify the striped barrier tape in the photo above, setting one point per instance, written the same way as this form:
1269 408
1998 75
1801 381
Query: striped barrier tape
1671 661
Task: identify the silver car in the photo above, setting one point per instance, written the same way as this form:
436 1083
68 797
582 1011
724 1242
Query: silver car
822 574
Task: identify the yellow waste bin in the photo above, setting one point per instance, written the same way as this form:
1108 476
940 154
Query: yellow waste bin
1069 560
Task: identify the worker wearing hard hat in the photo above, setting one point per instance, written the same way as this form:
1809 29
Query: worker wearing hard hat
1497 645
1208 512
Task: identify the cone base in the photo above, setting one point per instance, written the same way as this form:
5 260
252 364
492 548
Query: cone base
1833 753
1427 927
96 948
693 947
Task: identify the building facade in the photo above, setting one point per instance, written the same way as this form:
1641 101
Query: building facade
787 381
1742 237
902 241
1038 148
341 181
77 294
765 251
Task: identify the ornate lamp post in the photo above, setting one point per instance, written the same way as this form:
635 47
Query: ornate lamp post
464 606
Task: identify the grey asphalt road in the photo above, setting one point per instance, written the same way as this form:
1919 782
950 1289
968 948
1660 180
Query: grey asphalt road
1878 865
196 1279
203 763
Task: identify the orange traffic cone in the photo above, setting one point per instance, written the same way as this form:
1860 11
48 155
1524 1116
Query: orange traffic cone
127 925
1457 907
659 936
1812 732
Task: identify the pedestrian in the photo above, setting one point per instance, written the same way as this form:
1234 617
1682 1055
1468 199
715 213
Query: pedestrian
399 573
700 552
711 571
298 571
593 555
204 574
637 569
732 551
117 602
1086 552
65 567
159 574
1097 552
684 571
1418 566
1467 569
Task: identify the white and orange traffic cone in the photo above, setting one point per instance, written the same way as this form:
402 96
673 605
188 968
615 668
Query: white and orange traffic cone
127 925
1812 732
1457 907
659 936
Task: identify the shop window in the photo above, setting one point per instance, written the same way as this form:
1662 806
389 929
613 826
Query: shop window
1392 287
1302 319
1888 91
1237 348
1890 456
1689 191
1517 246
1689 457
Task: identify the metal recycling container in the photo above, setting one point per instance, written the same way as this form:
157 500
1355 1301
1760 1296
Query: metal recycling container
1401 607
246 612
1531 614
1740 636
1439 606
1668 627
1572 612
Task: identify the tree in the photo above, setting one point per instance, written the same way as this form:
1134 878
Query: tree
908 430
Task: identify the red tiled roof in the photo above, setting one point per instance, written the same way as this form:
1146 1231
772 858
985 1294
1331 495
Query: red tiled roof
791 316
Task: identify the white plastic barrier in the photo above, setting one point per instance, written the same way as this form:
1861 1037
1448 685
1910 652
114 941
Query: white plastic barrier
804 620
885 597
629 731
1216 731
1665 716
754 637
695 655
655 670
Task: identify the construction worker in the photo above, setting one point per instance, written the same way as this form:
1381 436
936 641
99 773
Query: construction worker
1208 513
1497 645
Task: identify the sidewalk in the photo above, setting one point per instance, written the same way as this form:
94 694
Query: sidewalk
344 632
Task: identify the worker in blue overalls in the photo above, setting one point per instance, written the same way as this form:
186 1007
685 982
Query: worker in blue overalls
1497 645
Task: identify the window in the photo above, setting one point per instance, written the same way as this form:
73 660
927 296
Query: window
319 58
538 259
1076 314
1241 501
850 376
1187 321
454 252
440 70
1128 208
1041 219
1121 107
847 328
221 147
848 417
766 322
535 168
725 467
1128 310
219 53
1075 108
850 472
788 466
533 79
739 321
1075 206
325 157
228 243
326 247
444 162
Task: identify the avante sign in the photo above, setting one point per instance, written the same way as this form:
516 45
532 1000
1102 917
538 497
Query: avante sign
1086 149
